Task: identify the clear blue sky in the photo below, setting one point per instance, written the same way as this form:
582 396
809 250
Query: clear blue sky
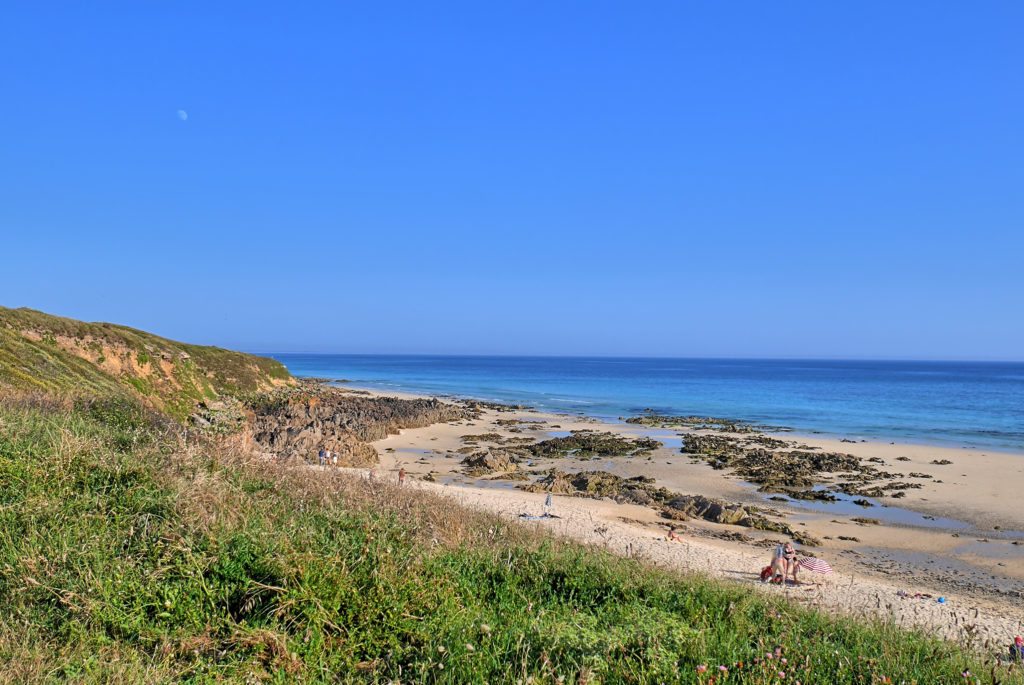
661 178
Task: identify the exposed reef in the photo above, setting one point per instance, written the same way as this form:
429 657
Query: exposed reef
795 472
586 443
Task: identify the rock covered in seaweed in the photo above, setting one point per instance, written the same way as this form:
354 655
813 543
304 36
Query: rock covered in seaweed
587 443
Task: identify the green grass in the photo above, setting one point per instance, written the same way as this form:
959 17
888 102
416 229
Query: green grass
129 552
58 355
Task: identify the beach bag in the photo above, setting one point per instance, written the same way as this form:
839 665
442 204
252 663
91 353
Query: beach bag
766 573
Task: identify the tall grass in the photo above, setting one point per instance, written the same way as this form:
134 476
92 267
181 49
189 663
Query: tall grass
131 552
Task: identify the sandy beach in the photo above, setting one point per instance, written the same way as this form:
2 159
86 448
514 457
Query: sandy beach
957 536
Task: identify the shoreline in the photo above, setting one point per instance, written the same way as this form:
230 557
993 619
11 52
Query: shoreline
781 431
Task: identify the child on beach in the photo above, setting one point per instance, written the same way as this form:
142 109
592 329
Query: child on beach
401 477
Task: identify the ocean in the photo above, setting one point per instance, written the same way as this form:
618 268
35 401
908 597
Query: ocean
976 404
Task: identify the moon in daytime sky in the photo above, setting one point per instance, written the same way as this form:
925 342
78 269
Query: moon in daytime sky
183 115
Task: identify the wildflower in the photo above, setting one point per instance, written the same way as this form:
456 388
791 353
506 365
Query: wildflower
484 627
783 660
469 647
723 669
965 674
782 674
767 655
702 669
441 649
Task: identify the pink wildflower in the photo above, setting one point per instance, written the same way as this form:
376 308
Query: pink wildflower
701 669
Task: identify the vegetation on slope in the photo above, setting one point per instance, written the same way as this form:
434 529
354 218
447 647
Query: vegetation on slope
54 354
131 552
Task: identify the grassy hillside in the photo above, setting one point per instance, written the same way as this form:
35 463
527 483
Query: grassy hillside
130 552
54 354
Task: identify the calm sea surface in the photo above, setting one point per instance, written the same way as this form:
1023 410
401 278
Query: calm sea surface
950 403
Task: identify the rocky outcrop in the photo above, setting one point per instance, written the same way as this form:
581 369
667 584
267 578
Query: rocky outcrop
794 472
586 443
490 461
300 422
649 418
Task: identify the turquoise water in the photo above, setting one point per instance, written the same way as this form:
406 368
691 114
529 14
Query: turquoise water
978 404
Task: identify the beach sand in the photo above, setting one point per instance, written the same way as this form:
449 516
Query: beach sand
965 554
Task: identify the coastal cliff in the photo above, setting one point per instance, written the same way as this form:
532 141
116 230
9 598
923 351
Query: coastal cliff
212 390
54 354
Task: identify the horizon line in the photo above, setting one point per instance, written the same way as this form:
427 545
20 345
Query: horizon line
609 356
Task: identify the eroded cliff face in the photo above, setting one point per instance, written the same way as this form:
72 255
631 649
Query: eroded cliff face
298 423
41 352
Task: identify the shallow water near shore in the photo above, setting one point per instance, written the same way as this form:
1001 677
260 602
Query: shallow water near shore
977 404
844 506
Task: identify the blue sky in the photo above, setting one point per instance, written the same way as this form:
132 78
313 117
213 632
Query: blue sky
677 179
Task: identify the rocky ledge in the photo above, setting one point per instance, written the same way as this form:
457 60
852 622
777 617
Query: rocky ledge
299 422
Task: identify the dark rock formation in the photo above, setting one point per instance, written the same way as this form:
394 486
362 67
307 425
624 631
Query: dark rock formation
717 511
299 422
726 425
793 472
585 443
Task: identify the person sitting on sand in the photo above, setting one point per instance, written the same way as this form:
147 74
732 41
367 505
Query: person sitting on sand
784 562
672 537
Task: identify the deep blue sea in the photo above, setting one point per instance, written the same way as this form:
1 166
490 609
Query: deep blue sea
978 404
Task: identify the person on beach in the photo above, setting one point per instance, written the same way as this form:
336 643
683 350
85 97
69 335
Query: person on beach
784 562
672 537
320 456
401 477
334 460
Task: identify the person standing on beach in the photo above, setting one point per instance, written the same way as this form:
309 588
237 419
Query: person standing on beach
334 460
321 457
401 477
